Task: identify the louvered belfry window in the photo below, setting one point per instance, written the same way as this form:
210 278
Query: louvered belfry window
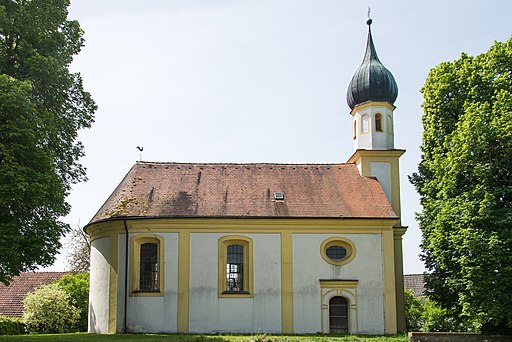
149 267
235 268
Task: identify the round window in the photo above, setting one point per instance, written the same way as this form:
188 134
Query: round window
337 251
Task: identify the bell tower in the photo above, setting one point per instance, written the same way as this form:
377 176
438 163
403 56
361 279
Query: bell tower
371 96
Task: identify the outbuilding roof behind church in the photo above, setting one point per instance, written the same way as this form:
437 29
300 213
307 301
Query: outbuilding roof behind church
246 190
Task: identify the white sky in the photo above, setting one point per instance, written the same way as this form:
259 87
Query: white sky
257 81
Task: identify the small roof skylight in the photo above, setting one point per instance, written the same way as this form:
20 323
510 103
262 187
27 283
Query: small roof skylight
279 196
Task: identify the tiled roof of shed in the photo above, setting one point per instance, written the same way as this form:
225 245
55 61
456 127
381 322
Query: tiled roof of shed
415 283
246 190
12 296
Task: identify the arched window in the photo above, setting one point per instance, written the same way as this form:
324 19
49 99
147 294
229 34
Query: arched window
146 265
364 123
338 315
235 266
355 129
390 125
378 122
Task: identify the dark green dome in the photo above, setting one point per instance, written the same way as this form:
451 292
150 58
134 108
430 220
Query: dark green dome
372 81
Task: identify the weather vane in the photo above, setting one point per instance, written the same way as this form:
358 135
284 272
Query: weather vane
140 149
369 11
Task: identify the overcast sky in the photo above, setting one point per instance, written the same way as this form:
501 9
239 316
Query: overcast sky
257 81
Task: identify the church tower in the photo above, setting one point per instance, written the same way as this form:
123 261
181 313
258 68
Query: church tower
371 95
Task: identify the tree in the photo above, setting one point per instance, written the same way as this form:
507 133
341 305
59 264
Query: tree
48 310
77 287
42 107
79 257
465 183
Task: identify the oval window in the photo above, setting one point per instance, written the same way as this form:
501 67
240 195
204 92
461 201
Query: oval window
337 251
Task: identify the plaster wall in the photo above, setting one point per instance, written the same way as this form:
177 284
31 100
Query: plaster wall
309 267
152 314
373 140
99 286
209 313
382 170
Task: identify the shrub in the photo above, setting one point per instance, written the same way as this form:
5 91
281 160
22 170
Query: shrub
413 312
77 286
48 309
11 326
424 314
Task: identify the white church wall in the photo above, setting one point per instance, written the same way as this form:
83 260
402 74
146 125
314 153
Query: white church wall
99 290
309 267
209 313
154 314
366 135
382 170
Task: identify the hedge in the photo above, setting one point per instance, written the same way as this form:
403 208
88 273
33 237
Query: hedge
11 326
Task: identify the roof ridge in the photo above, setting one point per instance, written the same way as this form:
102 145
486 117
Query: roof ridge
219 164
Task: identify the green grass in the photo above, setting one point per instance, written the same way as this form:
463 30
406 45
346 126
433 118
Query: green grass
200 338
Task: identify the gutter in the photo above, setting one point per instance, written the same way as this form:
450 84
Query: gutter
125 277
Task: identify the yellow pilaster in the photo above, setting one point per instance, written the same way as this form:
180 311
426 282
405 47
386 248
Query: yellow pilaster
388 251
399 283
286 283
113 278
183 281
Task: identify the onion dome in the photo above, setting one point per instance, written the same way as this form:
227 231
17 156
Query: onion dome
372 81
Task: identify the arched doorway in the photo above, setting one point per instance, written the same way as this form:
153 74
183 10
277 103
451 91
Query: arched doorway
338 315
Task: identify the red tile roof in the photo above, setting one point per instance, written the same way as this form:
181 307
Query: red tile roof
12 296
415 283
246 190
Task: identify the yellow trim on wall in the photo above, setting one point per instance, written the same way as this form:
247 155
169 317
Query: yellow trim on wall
245 225
248 276
388 251
363 158
338 241
364 106
399 275
286 283
136 242
343 288
113 276
183 280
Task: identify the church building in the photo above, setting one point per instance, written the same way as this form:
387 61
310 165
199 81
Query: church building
263 247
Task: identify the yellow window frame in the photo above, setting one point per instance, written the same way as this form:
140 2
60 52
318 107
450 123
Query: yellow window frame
248 276
136 242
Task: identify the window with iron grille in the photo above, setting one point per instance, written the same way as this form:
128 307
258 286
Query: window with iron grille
235 268
148 267
336 252
338 315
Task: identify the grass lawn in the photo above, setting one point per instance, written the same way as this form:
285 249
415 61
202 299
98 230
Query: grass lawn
200 338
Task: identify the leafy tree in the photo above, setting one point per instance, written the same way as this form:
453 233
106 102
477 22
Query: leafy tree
42 107
48 310
77 287
465 183
79 257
